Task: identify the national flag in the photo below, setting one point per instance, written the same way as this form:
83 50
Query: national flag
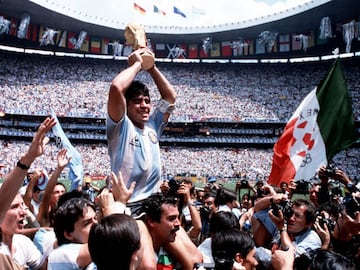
311 39
321 126
76 170
193 51
237 48
13 27
71 40
160 50
41 32
85 45
179 12
260 46
249 47
62 39
182 51
284 43
105 46
226 48
95 45
140 9
215 49
157 10
33 32
296 42
203 53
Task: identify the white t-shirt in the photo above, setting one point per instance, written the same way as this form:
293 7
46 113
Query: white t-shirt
205 249
26 253
64 258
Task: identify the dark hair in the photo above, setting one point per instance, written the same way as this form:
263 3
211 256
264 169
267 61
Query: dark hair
115 235
310 212
66 215
135 89
152 205
224 196
223 220
226 244
330 260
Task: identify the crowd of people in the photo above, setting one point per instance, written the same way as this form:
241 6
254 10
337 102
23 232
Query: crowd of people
140 219
32 83
199 162
254 227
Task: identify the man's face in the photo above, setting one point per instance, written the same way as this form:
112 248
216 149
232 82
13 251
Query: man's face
15 218
138 110
58 191
297 222
209 202
313 194
165 231
82 226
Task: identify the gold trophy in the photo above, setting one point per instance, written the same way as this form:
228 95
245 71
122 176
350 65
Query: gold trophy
135 36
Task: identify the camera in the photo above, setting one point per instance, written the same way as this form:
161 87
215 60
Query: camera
352 205
331 170
174 186
329 223
285 206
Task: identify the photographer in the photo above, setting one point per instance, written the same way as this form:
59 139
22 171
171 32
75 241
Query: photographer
261 223
295 227
190 219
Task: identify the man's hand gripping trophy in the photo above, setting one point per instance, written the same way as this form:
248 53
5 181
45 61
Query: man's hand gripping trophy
135 36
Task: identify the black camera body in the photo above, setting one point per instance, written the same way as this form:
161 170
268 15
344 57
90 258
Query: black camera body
285 206
329 222
331 170
174 186
352 205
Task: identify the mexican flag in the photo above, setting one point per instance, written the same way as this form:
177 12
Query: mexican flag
321 126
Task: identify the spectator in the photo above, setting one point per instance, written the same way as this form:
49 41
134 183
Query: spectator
13 217
233 249
219 221
115 235
162 221
53 191
72 223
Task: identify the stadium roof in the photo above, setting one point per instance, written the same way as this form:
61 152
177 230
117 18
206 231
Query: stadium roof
301 19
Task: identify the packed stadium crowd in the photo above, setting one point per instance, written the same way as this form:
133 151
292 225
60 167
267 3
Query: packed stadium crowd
76 86
31 84
139 219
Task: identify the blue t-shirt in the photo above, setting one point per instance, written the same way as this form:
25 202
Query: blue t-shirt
136 153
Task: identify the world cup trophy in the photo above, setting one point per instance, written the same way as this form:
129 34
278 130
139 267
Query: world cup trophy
135 36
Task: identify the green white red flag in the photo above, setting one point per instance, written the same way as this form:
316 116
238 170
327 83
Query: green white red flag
321 126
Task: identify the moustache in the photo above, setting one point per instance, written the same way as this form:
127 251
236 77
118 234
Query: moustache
175 229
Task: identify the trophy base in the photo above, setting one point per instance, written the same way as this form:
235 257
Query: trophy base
148 61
